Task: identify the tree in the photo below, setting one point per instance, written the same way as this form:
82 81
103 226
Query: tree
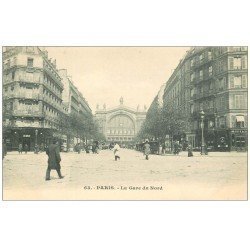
162 121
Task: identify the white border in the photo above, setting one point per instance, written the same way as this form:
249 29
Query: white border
124 225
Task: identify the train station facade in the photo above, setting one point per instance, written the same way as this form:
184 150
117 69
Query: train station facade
120 123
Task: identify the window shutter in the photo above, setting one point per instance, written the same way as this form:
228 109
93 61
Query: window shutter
236 97
241 100
231 101
244 62
231 82
244 81
225 83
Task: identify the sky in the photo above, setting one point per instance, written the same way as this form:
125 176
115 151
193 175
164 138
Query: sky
104 74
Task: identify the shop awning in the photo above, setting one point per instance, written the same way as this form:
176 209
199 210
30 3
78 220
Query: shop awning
240 118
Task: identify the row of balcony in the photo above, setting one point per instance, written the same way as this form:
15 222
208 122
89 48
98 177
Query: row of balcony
53 75
55 91
33 96
210 93
52 103
23 95
198 79
37 81
33 113
207 111
28 113
199 63
7 80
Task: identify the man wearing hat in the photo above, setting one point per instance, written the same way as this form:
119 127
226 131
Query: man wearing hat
54 160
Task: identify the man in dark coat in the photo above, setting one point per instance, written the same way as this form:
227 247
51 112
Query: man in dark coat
190 151
25 148
146 149
4 149
54 159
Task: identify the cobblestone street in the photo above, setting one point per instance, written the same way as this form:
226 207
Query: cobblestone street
98 176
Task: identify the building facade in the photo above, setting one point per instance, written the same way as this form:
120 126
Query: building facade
212 79
37 98
75 103
32 97
121 123
72 97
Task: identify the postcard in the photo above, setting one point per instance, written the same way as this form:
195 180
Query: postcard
124 123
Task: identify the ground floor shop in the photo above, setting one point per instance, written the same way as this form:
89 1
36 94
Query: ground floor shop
30 137
220 140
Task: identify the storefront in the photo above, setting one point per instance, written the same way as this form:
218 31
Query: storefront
238 139
215 140
27 136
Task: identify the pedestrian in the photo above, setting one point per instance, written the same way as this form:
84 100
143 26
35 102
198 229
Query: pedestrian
4 152
54 160
176 148
25 148
117 151
20 148
190 150
163 148
146 149
78 148
42 147
93 148
205 149
36 149
97 149
160 149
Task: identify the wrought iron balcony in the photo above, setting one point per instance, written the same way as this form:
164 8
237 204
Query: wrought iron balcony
28 113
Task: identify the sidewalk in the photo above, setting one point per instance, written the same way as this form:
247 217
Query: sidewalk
212 154
181 154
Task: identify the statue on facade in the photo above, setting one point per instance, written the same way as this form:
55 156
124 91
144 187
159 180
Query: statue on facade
138 107
145 107
97 106
104 106
121 101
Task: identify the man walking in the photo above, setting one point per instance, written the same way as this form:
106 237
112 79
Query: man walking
4 152
20 148
190 151
54 159
147 149
25 148
117 151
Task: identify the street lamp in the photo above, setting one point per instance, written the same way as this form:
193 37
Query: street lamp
36 132
202 115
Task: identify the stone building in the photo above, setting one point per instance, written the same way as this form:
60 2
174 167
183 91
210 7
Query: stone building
120 123
73 99
32 97
212 79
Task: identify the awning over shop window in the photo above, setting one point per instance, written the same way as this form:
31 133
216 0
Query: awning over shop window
240 118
